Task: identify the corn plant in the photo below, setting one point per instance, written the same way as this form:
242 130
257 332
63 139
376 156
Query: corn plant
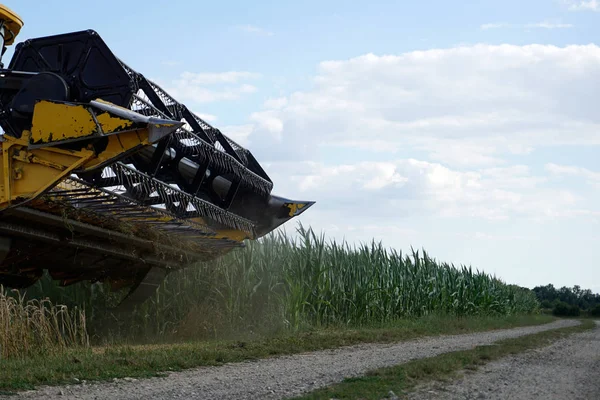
282 282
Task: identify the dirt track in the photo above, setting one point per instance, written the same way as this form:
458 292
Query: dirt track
567 369
281 377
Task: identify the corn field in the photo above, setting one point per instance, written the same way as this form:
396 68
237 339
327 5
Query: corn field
280 283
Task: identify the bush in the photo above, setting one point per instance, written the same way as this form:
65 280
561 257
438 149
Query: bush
596 311
562 309
546 304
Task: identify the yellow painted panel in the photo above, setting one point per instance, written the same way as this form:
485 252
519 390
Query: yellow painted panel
33 177
28 173
112 124
231 234
295 208
54 121
118 145
12 21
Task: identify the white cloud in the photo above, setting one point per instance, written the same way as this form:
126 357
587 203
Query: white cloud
268 121
238 133
276 103
207 117
210 87
495 25
202 95
212 78
447 149
463 106
254 30
437 135
543 24
583 5
572 170
549 25
486 236
381 192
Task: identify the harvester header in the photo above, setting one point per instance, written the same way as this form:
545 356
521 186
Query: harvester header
106 177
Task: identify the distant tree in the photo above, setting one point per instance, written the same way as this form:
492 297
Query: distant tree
574 311
562 309
583 299
546 304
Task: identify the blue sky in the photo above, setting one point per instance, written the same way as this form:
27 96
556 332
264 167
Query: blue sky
284 41
469 129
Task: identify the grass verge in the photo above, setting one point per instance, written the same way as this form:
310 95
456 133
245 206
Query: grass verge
105 363
402 378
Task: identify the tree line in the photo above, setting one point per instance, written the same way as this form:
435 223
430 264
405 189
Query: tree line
567 300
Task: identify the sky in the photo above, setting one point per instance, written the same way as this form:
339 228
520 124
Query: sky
466 129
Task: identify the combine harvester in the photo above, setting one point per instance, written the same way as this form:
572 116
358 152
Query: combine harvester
104 177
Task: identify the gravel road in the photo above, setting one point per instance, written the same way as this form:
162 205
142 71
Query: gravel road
280 377
567 369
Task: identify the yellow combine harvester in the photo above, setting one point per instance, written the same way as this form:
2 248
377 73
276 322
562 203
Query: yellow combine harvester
106 177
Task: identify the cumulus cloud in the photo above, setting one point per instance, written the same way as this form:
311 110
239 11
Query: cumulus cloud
269 122
469 105
238 133
207 117
382 192
549 25
573 171
583 5
276 103
470 152
494 25
440 135
207 78
543 24
210 87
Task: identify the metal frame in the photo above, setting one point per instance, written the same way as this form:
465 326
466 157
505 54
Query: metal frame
193 195
78 55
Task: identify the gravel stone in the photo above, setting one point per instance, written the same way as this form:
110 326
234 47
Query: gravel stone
287 376
567 369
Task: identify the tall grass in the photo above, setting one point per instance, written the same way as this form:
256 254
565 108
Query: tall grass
280 283
38 327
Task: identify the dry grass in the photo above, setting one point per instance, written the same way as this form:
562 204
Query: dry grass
38 327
